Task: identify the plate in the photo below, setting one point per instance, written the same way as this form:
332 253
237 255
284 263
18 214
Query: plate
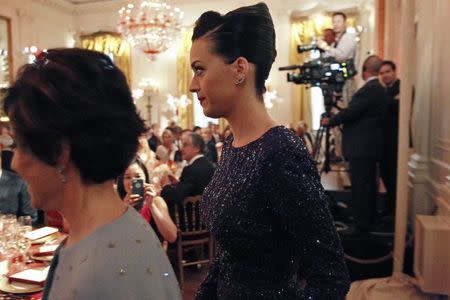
18 287
50 238
41 258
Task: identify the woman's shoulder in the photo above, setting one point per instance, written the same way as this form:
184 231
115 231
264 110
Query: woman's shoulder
282 140
131 249
287 152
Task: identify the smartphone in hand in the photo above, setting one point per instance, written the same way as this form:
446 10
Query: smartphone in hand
137 186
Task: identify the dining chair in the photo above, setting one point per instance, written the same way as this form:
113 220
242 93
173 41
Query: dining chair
192 236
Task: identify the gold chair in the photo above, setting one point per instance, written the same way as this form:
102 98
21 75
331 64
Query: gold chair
192 234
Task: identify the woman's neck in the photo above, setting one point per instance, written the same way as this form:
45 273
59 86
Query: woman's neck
249 121
87 207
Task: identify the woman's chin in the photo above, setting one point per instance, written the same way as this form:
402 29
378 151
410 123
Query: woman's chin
211 114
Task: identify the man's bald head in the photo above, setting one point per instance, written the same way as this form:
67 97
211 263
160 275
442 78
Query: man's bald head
371 66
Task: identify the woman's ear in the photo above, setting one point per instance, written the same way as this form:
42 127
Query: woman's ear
241 69
64 157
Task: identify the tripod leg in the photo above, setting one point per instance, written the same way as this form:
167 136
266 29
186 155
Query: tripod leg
317 144
326 164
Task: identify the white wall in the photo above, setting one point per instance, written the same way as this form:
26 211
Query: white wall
429 164
33 22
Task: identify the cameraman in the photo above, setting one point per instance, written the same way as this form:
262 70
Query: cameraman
362 142
345 45
344 48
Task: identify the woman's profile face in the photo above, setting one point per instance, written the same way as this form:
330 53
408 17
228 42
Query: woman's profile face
213 79
133 171
44 185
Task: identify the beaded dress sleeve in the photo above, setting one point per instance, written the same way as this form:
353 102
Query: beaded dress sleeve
301 206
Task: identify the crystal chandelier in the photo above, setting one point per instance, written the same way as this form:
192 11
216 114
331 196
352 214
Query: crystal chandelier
152 27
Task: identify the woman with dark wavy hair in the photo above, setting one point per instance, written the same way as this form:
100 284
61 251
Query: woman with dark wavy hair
76 129
265 205
152 208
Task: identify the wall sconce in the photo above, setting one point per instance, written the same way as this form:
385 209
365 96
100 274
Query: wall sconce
271 95
174 105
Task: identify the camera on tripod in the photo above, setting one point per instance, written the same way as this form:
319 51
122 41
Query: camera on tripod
321 70
308 47
328 74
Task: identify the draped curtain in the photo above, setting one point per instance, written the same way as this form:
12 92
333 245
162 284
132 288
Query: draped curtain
110 43
184 77
302 32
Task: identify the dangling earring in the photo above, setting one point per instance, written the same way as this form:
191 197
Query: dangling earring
240 80
62 176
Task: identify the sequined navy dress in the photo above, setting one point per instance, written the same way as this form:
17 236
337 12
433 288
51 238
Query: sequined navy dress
266 208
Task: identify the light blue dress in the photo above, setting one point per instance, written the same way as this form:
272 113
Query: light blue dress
119 260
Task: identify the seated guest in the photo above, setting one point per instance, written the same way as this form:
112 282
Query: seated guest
6 143
210 145
153 138
76 129
144 152
194 177
197 130
152 208
14 197
166 151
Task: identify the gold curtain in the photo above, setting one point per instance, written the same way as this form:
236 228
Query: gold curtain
302 33
111 43
184 77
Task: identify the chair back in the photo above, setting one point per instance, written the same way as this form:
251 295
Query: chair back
192 236
187 216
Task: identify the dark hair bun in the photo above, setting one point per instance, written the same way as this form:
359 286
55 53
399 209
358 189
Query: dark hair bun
247 31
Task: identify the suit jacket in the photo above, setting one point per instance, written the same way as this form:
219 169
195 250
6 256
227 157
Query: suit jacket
391 125
14 197
193 181
363 122
211 151
153 142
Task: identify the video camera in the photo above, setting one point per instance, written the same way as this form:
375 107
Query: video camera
321 70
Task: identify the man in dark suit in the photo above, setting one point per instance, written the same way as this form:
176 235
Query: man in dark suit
210 145
195 176
388 164
14 197
363 141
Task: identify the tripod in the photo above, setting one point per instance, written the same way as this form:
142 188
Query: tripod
328 91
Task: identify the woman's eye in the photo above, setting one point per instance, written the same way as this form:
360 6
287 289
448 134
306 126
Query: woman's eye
198 71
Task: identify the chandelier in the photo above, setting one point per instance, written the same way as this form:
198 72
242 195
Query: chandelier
152 27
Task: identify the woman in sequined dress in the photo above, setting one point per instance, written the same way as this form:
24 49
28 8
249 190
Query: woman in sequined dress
265 205
76 129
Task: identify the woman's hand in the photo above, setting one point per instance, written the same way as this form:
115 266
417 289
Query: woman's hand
132 199
150 191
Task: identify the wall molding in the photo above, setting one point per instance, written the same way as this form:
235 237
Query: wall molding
418 168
